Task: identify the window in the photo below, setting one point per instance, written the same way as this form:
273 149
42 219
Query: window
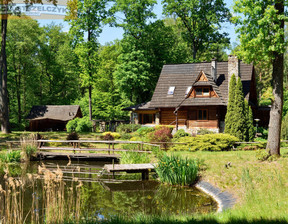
188 90
203 115
171 90
202 92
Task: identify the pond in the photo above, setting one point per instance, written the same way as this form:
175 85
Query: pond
59 190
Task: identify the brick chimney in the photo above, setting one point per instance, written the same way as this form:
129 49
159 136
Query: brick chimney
233 67
214 70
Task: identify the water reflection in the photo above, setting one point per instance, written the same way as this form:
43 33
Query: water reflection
56 191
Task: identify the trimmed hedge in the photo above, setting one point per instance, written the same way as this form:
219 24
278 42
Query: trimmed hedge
208 142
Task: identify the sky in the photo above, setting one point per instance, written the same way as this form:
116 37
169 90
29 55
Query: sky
111 33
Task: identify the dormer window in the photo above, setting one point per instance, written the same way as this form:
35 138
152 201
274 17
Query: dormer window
171 90
188 90
202 92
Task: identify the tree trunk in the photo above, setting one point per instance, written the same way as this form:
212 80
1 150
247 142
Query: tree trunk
90 76
5 125
273 144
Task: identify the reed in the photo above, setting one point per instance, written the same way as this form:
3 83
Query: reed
175 170
29 146
49 202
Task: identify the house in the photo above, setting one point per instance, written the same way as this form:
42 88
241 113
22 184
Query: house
194 96
52 117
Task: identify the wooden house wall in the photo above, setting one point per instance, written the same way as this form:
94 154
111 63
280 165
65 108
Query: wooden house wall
47 124
167 116
212 121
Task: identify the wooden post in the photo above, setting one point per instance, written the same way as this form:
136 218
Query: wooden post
145 175
109 149
113 147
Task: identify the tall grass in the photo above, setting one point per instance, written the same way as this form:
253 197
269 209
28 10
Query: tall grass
55 205
134 158
176 170
29 146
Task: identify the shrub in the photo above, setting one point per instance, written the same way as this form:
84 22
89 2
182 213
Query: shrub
72 125
162 134
144 131
72 136
127 128
171 127
126 136
134 158
209 142
84 125
262 154
114 134
180 133
175 170
108 137
29 146
11 156
204 131
79 125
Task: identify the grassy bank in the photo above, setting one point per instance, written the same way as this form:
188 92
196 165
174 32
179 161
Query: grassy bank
260 189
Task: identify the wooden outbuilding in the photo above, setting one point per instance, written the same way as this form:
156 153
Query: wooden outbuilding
52 117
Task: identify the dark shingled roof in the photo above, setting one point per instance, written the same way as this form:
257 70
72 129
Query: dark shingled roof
142 106
54 112
183 75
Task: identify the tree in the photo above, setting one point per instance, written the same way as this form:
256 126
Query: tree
4 110
239 117
229 118
87 17
201 21
261 32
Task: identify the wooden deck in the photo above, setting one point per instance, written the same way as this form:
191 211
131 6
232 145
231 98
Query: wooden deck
143 168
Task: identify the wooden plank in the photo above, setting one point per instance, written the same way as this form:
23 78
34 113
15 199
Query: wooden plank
92 141
129 167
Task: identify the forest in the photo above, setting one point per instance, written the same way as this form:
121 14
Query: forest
47 66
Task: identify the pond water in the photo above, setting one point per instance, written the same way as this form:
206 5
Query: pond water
58 191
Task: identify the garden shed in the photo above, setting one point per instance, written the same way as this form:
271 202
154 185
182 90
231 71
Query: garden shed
52 117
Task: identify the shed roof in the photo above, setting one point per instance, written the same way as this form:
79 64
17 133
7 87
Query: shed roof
184 75
54 112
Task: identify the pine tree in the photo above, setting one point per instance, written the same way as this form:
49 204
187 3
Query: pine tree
229 118
239 112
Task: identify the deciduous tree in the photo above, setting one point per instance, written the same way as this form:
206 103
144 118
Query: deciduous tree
261 31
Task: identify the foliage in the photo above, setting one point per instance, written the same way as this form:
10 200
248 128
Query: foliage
79 125
262 155
144 132
204 131
126 136
263 132
180 133
175 170
239 117
209 142
108 137
284 128
162 134
29 146
262 36
11 156
127 128
72 136
201 22
134 158
115 135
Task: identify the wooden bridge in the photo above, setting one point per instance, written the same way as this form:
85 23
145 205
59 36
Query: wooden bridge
143 168
74 150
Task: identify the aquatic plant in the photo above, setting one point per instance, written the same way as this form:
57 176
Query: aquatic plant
175 170
11 156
